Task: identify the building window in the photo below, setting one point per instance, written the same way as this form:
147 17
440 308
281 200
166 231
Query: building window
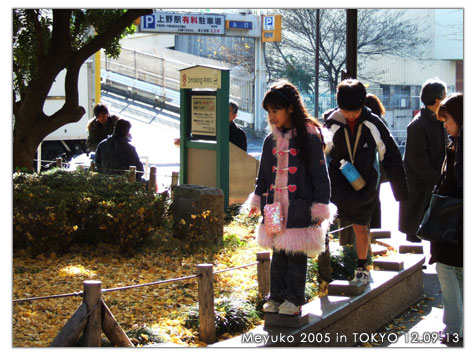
396 96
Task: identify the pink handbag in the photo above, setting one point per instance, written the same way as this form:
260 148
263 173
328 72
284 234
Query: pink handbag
273 219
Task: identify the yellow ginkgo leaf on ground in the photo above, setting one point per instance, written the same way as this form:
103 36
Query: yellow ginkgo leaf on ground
164 306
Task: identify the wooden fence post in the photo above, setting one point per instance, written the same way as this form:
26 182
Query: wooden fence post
92 298
206 303
174 183
73 328
153 179
132 174
112 329
264 259
58 162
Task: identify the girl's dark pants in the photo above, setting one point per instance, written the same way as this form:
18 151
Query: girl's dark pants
288 277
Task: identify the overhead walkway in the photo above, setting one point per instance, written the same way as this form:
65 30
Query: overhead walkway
154 79
140 90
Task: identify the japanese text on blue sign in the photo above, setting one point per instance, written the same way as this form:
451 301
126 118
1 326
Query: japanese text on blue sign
240 25
183 23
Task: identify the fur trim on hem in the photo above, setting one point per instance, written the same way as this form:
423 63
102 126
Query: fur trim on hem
323 211
308 240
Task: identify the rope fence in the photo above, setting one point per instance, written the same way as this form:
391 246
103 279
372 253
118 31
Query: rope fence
84 318
80 294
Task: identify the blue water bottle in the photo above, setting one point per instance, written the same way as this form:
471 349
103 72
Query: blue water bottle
352 175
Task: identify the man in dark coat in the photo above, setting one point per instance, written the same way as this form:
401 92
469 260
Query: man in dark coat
100 126
115 154
237 135
424 156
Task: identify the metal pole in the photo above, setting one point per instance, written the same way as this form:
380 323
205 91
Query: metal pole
316 79
38 156
97 77
351 44
260 81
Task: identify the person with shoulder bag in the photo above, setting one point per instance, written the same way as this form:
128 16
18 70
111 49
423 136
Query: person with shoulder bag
448 253
423 158
292 193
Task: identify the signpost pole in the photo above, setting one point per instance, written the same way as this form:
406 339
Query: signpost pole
223 128
184 113
260 83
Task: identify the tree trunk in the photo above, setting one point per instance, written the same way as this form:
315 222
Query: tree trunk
31 125
24 149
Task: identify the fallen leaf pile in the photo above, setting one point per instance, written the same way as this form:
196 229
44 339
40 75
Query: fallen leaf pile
161 307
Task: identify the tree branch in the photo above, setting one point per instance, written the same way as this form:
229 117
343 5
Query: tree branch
101 40
33 14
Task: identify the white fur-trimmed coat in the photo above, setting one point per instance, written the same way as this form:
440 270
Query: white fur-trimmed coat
304 192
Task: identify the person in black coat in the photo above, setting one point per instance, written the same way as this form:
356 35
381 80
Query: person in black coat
368 138
100 126
424 155
237 135
115 154
449 257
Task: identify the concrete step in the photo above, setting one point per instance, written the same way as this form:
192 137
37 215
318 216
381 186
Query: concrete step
345 320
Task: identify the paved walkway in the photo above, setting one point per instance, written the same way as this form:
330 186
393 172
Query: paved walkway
422 322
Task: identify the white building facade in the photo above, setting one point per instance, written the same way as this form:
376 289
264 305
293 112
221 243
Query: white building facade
397 81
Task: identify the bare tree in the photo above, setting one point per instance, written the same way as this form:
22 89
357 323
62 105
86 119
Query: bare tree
380 32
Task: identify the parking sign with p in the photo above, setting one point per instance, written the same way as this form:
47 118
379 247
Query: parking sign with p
271 30
148 21
268 24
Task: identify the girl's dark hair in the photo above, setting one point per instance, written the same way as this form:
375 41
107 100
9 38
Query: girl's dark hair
452 105
351 95
374 104
431 90
283 95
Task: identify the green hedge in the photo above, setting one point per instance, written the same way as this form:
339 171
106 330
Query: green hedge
55 210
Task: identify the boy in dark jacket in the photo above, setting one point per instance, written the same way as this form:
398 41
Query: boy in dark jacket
361 138
115 154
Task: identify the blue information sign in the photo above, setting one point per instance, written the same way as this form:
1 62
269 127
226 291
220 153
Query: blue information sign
240 25
160 21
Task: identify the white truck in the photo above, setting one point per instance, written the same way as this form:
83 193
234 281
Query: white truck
69 140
